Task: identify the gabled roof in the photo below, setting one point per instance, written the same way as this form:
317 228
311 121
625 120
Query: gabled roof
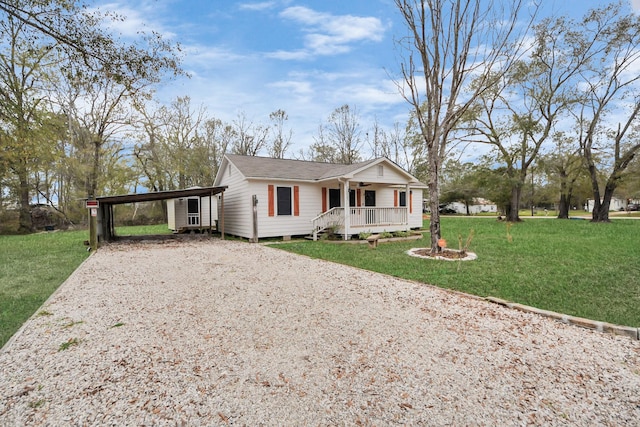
253 167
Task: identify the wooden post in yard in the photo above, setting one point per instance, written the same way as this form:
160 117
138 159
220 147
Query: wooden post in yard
254 201
221 215
93 223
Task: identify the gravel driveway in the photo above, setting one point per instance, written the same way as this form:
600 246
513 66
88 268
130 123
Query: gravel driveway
218 332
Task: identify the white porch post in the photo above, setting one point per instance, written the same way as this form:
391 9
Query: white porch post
347 210
408 200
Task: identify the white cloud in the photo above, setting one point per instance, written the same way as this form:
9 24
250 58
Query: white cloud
135 20
332 34
258 6
635 5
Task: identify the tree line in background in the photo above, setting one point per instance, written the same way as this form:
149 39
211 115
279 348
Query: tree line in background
552 103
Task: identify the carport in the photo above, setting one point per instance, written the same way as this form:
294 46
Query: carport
105 216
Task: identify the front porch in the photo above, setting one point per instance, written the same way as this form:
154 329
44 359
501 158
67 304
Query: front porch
362 219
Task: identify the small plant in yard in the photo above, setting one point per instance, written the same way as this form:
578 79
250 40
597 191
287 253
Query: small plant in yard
401 234
464 248
68 344
330 234
386 235
42 313
117 325
364 235
509 236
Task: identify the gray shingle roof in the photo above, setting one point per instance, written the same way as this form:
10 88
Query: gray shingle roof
266 167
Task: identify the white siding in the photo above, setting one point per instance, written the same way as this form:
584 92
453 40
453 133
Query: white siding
310 202
390 175
180 212
171 215
415 217
237 203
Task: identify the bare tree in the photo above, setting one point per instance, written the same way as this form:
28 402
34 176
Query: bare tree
343 133
449 44
281 138
249 138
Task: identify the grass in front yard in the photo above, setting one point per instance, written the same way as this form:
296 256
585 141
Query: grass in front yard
569 266
31 268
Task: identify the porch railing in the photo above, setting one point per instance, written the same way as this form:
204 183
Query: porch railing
361 217
334 217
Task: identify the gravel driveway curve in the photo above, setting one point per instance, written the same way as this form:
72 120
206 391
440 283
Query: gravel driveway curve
218 332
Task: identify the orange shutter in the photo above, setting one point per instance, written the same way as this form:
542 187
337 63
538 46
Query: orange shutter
296 200
271 201
395 198
324 199
410 201
359 197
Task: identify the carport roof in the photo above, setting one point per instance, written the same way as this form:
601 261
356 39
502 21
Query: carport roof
160 195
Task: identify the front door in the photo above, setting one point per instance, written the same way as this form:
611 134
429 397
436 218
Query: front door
193 212
370 201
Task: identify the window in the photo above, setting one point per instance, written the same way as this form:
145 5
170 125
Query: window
403 198
369 198
334 198
284 200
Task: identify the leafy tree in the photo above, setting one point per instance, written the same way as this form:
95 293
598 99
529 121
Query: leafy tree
22 110
566 170
449 44
608 117
460 183
518 116
179 146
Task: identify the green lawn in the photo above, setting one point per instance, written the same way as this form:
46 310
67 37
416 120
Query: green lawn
31 268
569 266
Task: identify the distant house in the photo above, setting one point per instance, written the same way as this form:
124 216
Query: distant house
479 205
616 204
269 197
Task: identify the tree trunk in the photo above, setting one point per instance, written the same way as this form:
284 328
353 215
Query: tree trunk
601 208
24 225
514 204
563 206
434 201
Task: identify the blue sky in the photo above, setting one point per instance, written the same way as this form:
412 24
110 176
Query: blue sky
305 57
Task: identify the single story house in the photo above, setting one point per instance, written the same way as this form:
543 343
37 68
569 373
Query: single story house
269 197
479 205
616 204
